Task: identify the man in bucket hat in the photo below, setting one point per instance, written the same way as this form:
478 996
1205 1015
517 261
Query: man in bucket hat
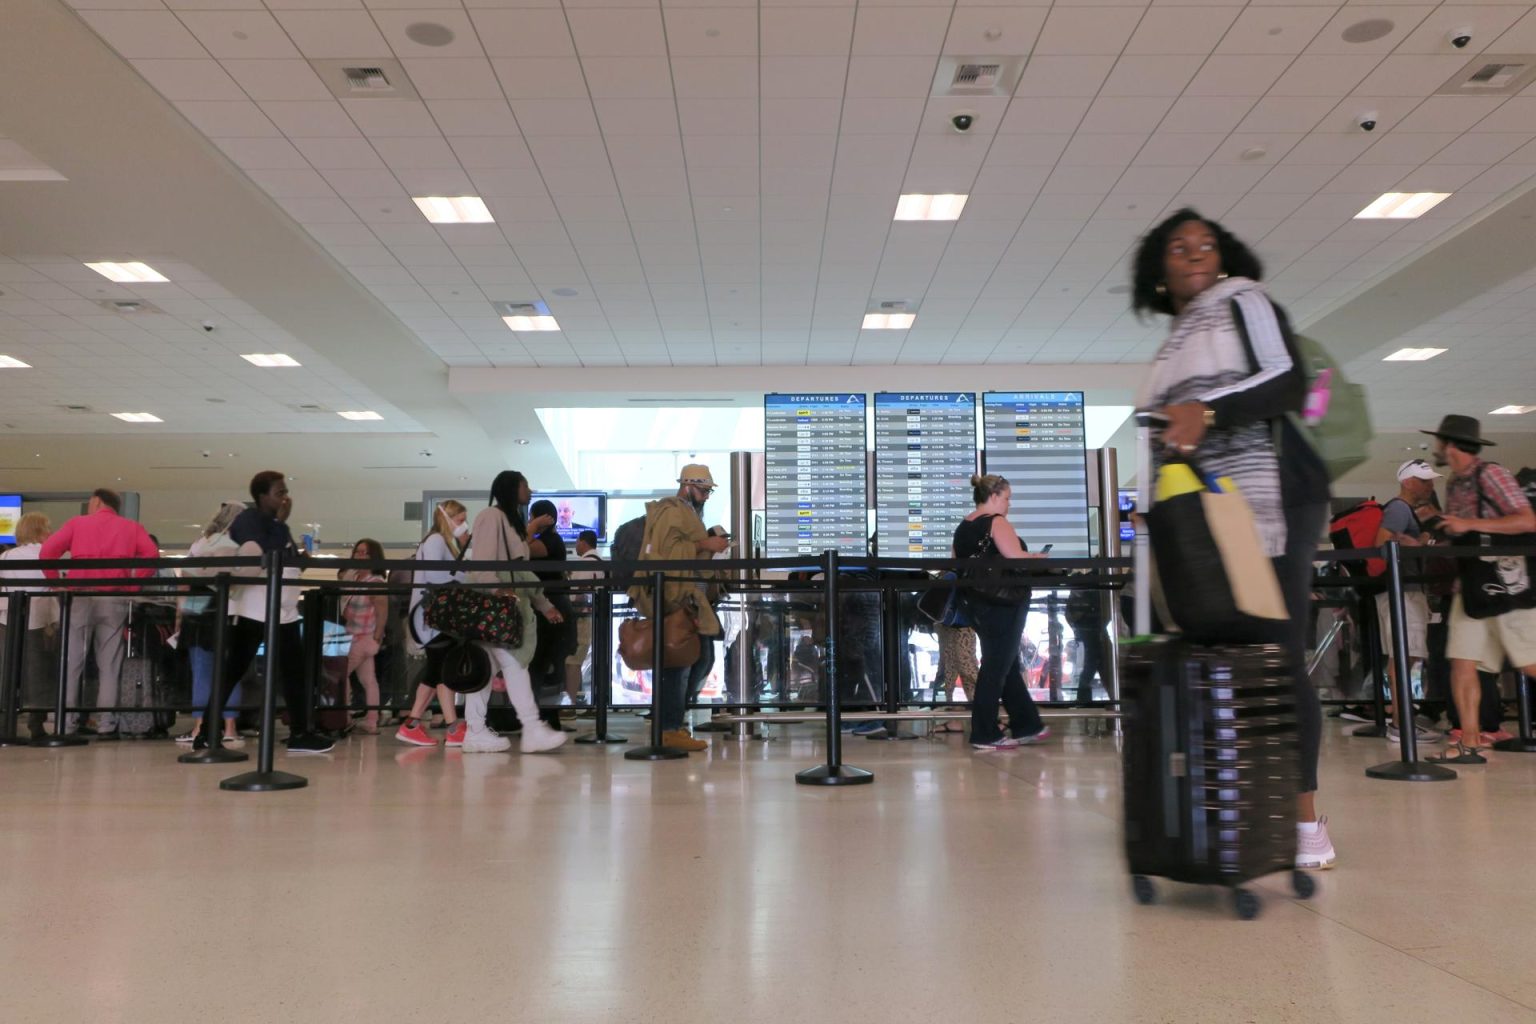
1483 501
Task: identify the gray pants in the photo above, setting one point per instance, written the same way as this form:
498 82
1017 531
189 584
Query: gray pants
97 622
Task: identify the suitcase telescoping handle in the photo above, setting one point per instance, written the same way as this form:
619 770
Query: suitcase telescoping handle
1146 424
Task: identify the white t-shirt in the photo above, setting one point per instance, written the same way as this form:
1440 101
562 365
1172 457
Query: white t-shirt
44 611
433 549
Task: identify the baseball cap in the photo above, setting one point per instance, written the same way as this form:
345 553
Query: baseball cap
698 474
1416 469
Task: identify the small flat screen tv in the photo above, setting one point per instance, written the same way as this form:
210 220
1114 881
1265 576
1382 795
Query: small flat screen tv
10 512
576 511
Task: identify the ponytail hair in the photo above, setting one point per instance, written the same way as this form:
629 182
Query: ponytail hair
985 487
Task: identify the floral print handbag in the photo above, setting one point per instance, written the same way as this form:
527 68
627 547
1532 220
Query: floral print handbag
471 614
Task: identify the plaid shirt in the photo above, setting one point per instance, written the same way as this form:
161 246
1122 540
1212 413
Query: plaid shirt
1501 493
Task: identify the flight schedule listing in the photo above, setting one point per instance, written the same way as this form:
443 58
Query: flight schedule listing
925 453
1036 439
816 474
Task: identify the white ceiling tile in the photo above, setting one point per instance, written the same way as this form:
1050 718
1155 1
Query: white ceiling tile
334 33
290 182
718 116
365 184
1180 30
489 153
974 30
809 116
1407 147
1403 19
382 119
136 34
221 119
724 150
189 79
1416 76
1125 114
1287 114
898 31
277 79
1273 30
630 116
397 28
879 77
1324 75
1485 22
468 118
1517 114
1029 115
1046 76
618 33
723 77
310 119
1206 114
262 153
456 78
524 33
556 117
712 31
790 77
240 34
1179 149
1150 76
1449 113
1237 76
1088 30
880 116
416 153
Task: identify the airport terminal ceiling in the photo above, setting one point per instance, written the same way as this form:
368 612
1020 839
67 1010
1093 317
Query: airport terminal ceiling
702 201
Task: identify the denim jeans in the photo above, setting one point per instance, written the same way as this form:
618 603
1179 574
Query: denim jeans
201 660
681 685
1001 676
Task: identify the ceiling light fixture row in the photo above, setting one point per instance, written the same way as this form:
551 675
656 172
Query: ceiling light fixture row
12 363
1412 355
270 360
454 209
138 417
1513 410
129 273
1402 205
359 415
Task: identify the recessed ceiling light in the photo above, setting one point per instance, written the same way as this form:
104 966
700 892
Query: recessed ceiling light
1513 410
269 359
138 417
916 206
888 321
1412 355
523 440
359 414
1402 205
531 323
12 363
129 273
454 209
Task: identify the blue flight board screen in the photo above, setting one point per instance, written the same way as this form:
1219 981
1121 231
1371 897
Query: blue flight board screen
925 453
817 474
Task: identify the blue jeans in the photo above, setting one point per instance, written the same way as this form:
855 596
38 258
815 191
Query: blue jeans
202 683
1001 677
680 685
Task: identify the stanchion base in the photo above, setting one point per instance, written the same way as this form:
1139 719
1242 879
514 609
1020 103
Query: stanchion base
713 726
1368 732
834 775
1411 771
15 741
214 755
593 737
649 753
263 782
60 741
1516 745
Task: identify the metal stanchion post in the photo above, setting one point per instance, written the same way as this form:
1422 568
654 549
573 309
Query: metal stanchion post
60 737
1370 630
1525 743
10 682
602 668
264 779
656 750
834 772
1410 768
213 726
893 655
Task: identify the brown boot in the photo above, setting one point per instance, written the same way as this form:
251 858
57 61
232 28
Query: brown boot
680 739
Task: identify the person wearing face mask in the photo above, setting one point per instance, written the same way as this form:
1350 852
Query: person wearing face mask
674 531
446 543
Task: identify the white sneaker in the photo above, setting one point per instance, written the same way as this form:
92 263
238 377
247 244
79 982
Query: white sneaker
485 742
539 738
1420 733
1314 849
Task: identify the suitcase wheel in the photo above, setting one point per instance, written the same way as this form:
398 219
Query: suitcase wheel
1303 884
1247 904
1146 893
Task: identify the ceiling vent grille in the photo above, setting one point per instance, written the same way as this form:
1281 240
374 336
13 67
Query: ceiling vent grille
1492 75
509 308
978 76
365 80
128 306
893 306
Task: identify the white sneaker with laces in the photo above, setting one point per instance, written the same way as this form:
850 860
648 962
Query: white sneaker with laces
1314 849
1420 733
539 737
485 742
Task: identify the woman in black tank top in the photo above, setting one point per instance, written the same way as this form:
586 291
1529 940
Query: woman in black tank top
998 625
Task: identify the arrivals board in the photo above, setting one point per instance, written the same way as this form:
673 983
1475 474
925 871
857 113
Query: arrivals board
925 453
1036 439
816 474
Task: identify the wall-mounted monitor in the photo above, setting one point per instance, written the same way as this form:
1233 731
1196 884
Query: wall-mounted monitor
1038 441
817 474
925 453
576 511
10 513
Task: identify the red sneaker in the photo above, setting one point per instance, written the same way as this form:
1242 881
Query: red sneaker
456 733
416 735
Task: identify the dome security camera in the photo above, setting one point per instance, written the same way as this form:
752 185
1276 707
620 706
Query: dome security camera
208 326
962 122
1367 122
1460 37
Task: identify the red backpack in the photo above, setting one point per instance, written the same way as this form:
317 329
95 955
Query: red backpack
1355 529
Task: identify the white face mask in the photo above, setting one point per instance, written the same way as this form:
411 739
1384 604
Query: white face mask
461 530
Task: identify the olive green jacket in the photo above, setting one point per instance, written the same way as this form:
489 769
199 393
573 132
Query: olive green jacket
673 531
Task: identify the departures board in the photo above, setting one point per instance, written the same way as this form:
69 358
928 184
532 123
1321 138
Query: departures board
1037 440
817 474
925 453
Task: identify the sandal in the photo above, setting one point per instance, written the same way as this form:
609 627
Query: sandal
946 727
1461 755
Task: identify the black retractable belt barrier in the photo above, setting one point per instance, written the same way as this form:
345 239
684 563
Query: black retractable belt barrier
602 670
1409 768
60 737
264 779
213 714
834 772
656 750
10 683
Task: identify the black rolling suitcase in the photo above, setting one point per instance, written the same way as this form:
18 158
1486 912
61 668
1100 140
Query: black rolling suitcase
142 681
1210 759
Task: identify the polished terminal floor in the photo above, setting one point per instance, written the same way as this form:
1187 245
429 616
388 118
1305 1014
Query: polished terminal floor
413 885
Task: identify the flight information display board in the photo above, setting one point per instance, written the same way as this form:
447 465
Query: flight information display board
925 453
1036 439
816 474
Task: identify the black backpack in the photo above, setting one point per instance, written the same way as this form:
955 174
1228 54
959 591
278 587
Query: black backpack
627 541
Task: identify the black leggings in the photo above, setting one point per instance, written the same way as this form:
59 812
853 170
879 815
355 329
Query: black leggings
1303 527
245 636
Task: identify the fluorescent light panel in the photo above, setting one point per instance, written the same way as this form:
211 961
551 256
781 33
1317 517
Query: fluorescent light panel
531 323
888 321
269 359
917 206
12 363
1513 410
129 273
138 417
359 414
1412 355
1402 205
454 209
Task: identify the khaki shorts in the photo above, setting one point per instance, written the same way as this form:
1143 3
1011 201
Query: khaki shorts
1416 623
583 641
1489 641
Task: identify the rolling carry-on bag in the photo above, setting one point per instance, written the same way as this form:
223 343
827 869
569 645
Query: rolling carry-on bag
141 683
1210 758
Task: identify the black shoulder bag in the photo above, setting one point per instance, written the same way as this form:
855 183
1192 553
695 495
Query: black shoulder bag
1495 584
991 577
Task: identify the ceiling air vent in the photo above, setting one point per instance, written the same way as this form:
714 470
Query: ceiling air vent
535 308
978 76
1492 75
892 306
365 79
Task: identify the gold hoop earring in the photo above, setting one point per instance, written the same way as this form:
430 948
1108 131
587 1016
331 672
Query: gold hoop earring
1161 289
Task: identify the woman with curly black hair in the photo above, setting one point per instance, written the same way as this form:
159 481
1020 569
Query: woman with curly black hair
1226 378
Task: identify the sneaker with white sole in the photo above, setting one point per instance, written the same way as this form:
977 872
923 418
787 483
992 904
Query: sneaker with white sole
485 742
1039 737
1420 733
1006 743
538 738
1314 849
